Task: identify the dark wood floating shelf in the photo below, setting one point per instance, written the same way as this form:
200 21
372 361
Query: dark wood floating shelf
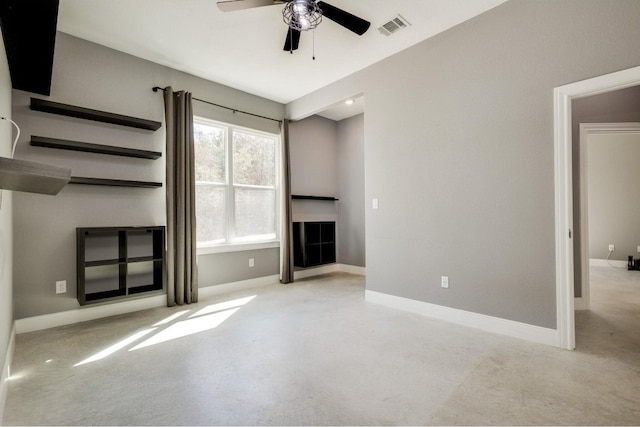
299 197
63 144
113 182
89 114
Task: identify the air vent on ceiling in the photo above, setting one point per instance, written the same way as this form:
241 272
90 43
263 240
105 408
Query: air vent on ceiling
396 24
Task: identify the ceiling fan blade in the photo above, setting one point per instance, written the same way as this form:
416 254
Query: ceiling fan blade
233 5
346 19
292 41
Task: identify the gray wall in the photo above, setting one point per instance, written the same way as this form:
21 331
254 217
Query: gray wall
229 267
314 168
314 161
6 234
612 107
459 150
614 201
90 75
351 227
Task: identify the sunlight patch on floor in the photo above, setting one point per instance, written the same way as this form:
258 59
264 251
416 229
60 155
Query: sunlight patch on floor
223 306
188 327
117 346
16 376
205 319
171 318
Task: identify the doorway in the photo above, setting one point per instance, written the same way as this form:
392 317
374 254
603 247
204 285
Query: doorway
607 166
564 192
327 159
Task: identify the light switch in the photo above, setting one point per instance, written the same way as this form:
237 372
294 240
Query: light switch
374 203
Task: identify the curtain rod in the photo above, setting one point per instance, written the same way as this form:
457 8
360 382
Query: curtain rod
235 110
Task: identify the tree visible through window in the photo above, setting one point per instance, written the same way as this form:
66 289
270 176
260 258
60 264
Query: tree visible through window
236 184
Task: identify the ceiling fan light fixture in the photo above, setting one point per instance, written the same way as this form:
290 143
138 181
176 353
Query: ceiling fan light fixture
302 15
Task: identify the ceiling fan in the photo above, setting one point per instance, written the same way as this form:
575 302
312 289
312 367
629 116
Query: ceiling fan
302 15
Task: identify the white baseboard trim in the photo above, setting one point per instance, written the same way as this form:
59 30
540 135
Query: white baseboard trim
483 322
315 271
604 263
329 268
353 269
238 286
6 371
46 321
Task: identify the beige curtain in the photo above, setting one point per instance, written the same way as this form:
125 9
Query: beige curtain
182 268
286 241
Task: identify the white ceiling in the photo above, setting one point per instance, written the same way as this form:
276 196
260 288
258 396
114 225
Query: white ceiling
244 49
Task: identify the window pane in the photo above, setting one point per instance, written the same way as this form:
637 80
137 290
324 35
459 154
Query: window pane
255 214
210 208
209 142
254 159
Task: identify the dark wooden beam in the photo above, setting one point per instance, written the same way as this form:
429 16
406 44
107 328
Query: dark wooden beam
29 33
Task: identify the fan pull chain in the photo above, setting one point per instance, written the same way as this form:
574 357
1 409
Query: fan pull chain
314 45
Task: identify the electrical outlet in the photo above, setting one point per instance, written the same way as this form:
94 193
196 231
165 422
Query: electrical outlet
61 286
251 263
612 248
444 281
638 248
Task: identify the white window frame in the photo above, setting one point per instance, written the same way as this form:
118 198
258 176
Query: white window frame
231 244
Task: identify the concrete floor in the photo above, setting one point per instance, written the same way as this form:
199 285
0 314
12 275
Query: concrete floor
314 353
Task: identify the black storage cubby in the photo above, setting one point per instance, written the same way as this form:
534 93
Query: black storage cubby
117 262
314 243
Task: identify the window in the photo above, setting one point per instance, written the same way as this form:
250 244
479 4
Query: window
236 184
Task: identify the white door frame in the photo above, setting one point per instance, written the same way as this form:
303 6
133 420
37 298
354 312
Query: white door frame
564 192
584 301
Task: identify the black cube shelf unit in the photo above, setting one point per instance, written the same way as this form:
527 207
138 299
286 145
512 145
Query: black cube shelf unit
119 262
314 243
47 106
